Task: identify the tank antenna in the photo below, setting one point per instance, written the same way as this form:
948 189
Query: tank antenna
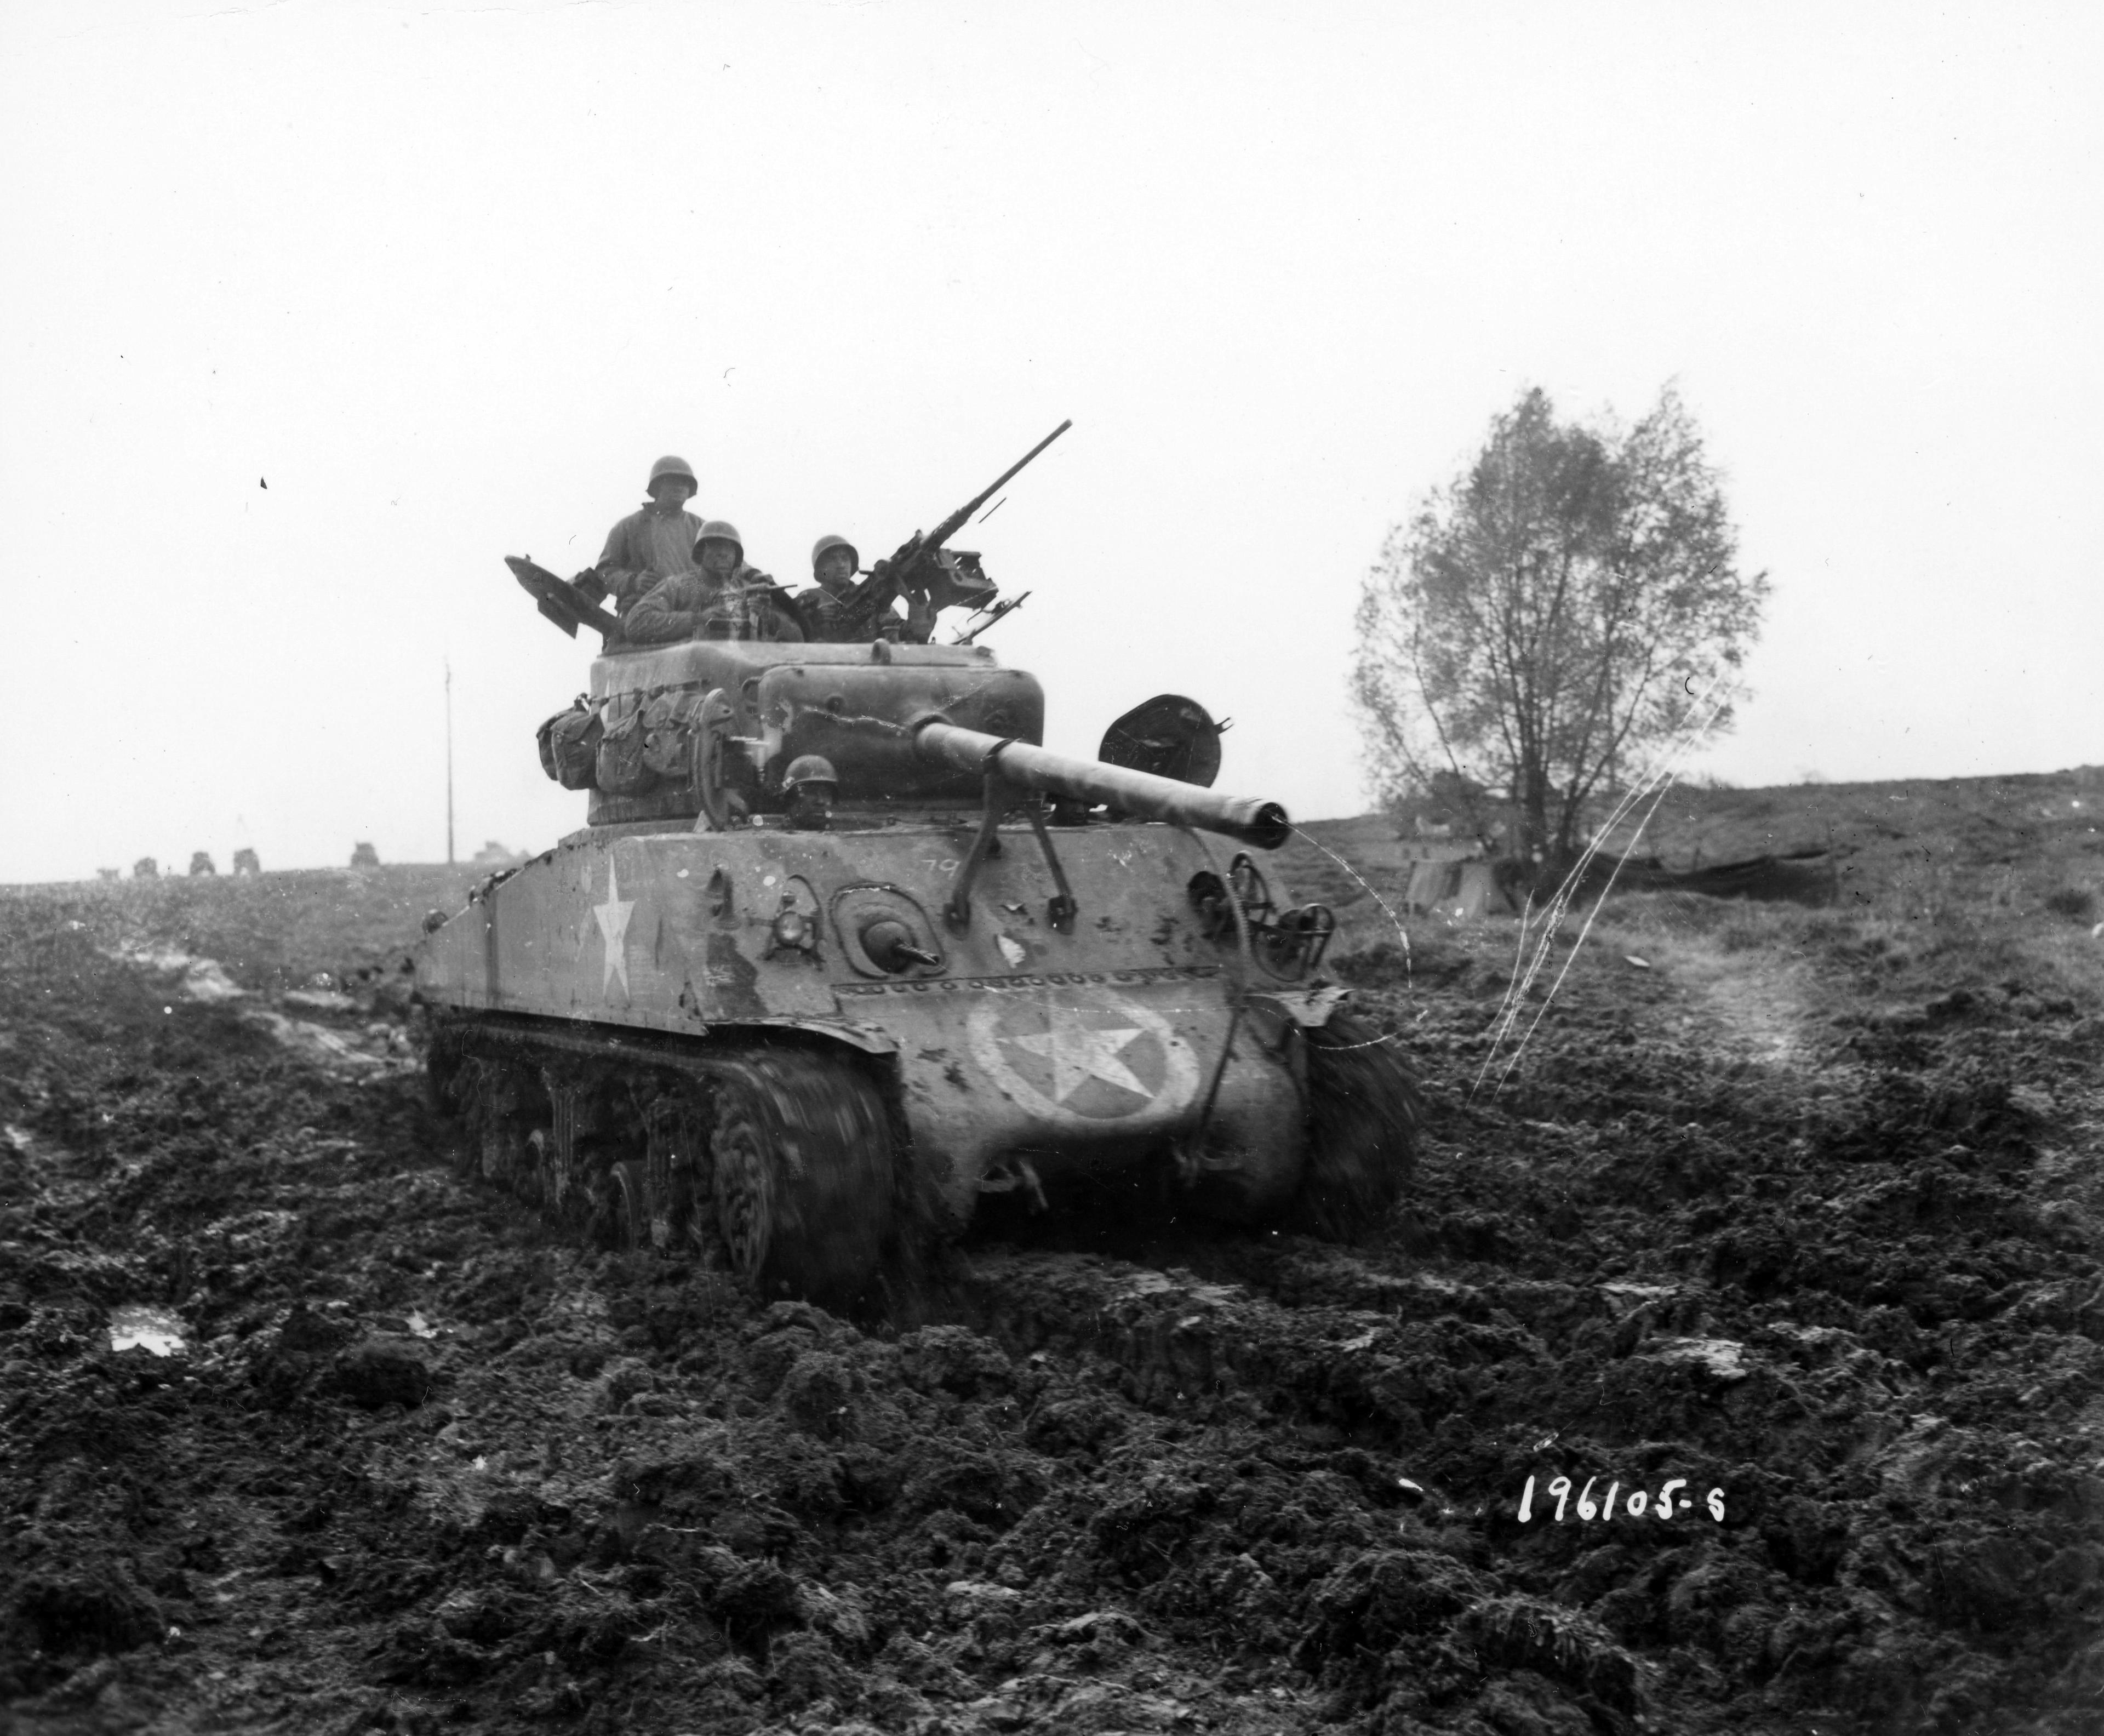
449 762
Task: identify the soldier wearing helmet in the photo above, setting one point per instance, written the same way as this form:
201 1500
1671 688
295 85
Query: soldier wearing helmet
833 563
649 545
721 597
812 786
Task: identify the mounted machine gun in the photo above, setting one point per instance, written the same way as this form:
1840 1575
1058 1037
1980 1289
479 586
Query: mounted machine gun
924 570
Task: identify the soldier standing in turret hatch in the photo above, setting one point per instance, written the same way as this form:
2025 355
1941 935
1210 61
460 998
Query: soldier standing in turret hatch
649 545
724 598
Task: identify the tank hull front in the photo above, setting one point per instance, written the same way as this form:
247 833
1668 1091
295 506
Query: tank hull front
1024 1055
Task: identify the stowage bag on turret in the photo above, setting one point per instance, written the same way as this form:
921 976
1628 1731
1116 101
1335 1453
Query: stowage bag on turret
569 746
668 725
621 769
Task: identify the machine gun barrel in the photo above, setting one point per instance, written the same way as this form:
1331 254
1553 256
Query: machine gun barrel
915 566
955 522
1262 824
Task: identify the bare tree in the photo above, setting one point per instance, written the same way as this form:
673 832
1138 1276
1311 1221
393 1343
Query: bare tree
1556 610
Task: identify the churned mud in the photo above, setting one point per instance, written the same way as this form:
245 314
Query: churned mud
1785 1221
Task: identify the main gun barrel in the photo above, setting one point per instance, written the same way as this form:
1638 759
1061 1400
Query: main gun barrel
1262 824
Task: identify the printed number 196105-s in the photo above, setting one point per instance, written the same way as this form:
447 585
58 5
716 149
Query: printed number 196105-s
1636 1504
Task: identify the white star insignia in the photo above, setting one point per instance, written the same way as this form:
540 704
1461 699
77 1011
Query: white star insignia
613 918
1079 1054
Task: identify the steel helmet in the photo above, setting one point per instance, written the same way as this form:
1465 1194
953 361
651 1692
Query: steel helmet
669 466
719 530
825 545
809 767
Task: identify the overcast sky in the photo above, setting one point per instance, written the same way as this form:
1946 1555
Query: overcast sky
447 278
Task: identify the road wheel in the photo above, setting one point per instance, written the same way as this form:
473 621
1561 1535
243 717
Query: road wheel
800 1162
628 1205
1364 1115
501 1154
675 1145
447 1076
551 1181
455 1099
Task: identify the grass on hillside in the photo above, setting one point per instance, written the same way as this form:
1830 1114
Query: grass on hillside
1926 870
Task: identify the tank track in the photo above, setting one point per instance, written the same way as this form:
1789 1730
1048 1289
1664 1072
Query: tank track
786 1165
777 1162
1364 1117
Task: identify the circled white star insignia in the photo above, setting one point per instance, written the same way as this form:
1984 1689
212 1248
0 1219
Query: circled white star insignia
1080 1052
1084 1057
613 919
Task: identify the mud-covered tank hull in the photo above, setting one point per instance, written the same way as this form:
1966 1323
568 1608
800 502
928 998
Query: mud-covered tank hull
1020 1056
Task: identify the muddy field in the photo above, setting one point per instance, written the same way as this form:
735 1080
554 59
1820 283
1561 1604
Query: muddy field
1787 1216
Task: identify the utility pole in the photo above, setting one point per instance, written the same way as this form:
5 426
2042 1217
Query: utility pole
449 762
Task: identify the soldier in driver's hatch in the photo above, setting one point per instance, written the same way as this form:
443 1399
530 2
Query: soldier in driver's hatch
649 545
724 599
833 563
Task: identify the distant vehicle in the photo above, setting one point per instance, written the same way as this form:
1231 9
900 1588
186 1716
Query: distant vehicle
145 868
201 862
364 855
107 873
245 863
493 854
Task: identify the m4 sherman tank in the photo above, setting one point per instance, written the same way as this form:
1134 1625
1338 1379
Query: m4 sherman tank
842 949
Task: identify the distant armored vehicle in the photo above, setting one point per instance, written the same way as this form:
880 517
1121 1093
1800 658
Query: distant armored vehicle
841 948
145 868
364 855
201 862
245 863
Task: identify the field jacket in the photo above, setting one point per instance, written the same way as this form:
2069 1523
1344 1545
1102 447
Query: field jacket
693 606
643 548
